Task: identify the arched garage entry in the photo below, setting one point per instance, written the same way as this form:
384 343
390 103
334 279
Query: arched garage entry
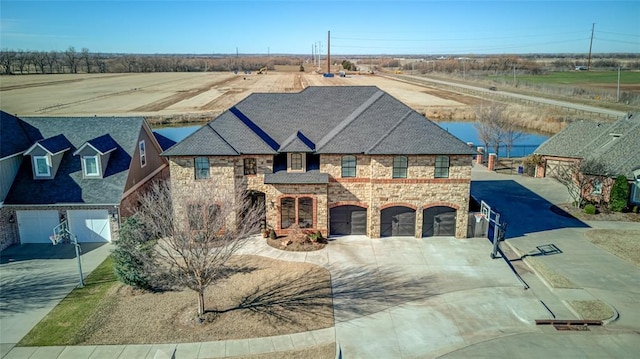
438 221
398 221
345 220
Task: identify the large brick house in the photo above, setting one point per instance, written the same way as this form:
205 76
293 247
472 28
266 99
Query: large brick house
613 147
341 160
87 171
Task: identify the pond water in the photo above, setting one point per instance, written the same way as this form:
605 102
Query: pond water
465 131
523 146
178 133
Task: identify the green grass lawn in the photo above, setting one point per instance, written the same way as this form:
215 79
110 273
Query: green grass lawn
64 324
578 78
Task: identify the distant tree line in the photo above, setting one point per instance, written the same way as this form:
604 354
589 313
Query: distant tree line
85 61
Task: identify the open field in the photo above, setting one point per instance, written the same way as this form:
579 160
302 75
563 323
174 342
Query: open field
203 94
629 80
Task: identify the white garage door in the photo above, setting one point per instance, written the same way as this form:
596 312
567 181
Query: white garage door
36 226
90 225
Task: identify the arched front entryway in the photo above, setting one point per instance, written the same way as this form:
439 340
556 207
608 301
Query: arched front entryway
345 220
257 199
439 221
397 221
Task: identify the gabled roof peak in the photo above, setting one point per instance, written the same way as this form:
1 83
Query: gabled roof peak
52 145
297 142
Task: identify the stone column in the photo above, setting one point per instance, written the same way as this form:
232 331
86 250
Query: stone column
479 155
491 163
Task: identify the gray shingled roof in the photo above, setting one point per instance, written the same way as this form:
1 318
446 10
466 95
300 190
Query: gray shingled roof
337 119
68 186
615 145
103 144
15 137
308 177
55 144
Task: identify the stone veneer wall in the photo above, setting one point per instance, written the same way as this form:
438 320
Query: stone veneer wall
372 187
8 231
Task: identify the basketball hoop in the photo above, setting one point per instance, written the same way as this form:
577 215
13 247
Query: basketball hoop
55 239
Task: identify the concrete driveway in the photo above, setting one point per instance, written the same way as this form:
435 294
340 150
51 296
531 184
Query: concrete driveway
404 297
34 278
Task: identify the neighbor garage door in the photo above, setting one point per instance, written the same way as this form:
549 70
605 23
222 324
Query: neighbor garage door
397 221
348 220
90 225
36 226
557 168
439 221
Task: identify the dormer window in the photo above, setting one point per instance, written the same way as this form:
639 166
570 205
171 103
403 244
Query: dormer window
90 164
41 166
46 155
297 162
94 155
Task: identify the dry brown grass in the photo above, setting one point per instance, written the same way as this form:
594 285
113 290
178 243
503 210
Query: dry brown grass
268 297
327 351
592 309
622 243
554 279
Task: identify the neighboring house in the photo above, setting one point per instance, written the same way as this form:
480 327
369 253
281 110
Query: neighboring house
615 147
340 160
87 170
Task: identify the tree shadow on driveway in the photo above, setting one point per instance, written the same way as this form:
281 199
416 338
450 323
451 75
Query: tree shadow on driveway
354 292
524 211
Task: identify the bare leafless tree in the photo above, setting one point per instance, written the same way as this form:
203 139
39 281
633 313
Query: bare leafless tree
490 124
72 59
52 60
86 57
197 232
23 59
511 134
7 58
40 61
579 176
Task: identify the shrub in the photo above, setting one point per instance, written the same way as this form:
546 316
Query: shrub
619 194
590 209
272 234
131 254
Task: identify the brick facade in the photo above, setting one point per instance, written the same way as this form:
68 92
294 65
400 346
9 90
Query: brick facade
372 188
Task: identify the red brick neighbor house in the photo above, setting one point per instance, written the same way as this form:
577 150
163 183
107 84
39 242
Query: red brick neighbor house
83 170
614 147
339 160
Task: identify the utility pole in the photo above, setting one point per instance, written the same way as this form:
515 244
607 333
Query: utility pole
328 52
593 26
618 92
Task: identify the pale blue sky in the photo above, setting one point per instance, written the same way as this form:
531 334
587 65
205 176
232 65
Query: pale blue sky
294 26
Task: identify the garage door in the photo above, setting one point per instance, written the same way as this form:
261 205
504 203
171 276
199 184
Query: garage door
36 226
345 220
90 225
439 221
398 221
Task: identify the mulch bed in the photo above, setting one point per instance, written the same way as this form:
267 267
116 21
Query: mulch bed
295 246
269 297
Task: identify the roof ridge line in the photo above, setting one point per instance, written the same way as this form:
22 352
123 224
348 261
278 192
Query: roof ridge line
350 118
255 128
222 138
402 119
